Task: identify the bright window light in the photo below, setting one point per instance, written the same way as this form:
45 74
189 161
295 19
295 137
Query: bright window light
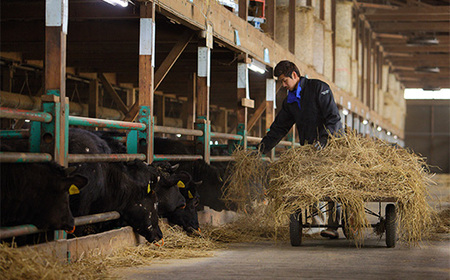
178 135
418 93
257 66
122 3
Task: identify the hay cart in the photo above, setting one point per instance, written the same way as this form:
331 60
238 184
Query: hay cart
386 224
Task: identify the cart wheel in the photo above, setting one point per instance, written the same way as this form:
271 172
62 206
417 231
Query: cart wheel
390 226
295 229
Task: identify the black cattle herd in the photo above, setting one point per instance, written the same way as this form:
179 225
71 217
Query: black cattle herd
49 196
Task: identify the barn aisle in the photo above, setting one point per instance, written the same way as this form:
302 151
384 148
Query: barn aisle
316 259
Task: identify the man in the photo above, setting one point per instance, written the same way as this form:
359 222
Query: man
310 105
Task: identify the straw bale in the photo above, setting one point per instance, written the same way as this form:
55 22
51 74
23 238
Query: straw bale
351 170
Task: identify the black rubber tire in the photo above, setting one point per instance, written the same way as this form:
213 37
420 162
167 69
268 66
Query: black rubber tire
296 229
391 226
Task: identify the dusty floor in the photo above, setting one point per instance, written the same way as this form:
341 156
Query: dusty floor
316 259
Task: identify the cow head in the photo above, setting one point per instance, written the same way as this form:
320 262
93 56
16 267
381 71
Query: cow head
169 195
187 217
53 211
142 213
142 216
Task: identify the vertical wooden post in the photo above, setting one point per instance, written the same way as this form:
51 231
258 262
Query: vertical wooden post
243 9
270 106
146 76
56 20
271 17
202 108
291 33
242 89
333 37
93 98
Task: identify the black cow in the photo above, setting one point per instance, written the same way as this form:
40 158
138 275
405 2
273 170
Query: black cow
187 217
210 190
38 194
169 196
128 188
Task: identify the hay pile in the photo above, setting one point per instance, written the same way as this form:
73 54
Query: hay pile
250 227
350 170
28 263
249 168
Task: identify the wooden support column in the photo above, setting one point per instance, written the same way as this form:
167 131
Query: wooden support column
202 98
56 15
242 97
271 17
146 71
333 37
243 9
93 98
291 32
271 90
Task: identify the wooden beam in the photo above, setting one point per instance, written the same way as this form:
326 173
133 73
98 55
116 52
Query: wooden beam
291 26
271 17
441 26
441 48
55 77
112 92
257 115
243 9
203 75
375 6
172 57
93 99
407 17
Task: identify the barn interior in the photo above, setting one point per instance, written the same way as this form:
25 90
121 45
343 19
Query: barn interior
207 65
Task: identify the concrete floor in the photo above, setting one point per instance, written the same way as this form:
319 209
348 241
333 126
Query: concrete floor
315 259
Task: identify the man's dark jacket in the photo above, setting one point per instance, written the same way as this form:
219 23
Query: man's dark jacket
318 116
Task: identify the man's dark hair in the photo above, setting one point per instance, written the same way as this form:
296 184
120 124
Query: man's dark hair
285 67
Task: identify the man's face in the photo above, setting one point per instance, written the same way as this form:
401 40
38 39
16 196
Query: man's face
289 83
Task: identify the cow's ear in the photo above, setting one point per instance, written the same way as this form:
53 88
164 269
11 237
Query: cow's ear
74 183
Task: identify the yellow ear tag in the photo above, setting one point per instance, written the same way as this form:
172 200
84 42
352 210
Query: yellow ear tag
148 188
73 190
190 195
181 185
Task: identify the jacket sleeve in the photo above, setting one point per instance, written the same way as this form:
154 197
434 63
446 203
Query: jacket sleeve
279 128
330 113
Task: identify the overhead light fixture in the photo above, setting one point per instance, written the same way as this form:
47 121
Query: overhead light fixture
426 69
389 133
422 41
365 122
345 112
257 66
122 3
379 128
